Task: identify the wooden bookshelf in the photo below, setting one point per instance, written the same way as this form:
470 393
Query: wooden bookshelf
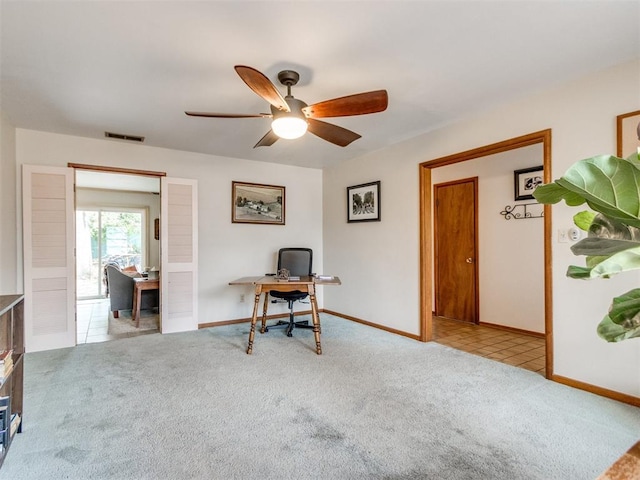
11 369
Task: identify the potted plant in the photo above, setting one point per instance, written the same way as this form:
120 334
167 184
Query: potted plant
610 186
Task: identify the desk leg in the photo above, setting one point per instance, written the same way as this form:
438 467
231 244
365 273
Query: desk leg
264 312
315 317
135 314
254 319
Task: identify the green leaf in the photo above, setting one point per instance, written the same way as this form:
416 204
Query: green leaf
578 272
593 261
554 193
619 262
605 227
623 320
602 246
609 184
612 332
625 309
584 219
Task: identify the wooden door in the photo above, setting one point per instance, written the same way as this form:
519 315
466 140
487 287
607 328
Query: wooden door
179 253
49 262
455 249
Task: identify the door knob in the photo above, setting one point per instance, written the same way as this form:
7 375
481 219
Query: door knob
469 260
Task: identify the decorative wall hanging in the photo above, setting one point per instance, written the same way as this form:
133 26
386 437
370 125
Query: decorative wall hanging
628 133
521 211
363 202
526 181
257 203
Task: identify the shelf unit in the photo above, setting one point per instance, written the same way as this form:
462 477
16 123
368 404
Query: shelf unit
11 378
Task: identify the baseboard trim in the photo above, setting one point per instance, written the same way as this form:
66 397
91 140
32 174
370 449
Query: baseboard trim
512 329
374 325
603 392
248 319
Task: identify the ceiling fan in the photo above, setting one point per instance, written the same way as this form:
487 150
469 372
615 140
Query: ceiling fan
293 117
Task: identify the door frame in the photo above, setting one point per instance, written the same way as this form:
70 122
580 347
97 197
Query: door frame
426 234
436 264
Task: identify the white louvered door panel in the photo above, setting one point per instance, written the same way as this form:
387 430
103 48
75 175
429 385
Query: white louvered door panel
179 251
48 239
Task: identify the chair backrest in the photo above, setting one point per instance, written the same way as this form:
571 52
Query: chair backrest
299 261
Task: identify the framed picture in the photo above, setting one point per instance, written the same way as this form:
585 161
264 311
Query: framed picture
628 133
526 181
363 202
256 203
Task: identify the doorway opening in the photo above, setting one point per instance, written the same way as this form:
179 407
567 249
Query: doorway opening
427 333
116 246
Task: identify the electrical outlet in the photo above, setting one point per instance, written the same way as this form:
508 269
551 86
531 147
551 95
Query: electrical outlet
562 236
242 298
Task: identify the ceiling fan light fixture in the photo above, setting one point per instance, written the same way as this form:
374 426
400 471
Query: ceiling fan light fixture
289 126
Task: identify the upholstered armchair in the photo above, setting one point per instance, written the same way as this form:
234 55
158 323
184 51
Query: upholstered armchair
120 286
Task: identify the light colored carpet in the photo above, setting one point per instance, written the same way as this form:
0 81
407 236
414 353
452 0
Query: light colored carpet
373 406
124 325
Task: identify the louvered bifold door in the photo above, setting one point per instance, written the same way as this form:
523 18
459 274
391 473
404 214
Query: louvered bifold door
48 240
179 252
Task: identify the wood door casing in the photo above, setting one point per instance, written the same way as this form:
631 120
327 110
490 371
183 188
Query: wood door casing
455 248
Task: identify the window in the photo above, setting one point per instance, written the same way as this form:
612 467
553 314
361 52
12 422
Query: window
107 236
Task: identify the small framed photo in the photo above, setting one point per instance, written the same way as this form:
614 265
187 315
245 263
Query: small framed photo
363 202
628 133
526 181
257 203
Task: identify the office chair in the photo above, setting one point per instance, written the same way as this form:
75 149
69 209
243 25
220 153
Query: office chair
299 263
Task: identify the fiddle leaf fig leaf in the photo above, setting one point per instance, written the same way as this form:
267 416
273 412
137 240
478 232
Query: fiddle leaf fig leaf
602 246
617 263
554 193
609 184
593 261
612 332
623 320
605 227
625 309
579 272
584 219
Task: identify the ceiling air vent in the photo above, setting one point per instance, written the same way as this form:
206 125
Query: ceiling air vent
128 138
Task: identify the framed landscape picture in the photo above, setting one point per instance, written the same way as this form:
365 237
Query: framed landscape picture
628 133
526 181
363 202
257 203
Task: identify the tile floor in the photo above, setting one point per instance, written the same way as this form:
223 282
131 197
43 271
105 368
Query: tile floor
518 349
93 322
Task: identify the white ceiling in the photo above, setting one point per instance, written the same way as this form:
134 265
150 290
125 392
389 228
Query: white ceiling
83 68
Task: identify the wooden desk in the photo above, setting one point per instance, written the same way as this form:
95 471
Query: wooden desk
267 283
140 284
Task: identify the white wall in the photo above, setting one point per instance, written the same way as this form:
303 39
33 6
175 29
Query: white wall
510 252
8 235
379 262
87 197
226 250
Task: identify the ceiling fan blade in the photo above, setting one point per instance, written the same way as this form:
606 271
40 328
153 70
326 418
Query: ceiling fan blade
260 84
268 139
228 115
332 133
358 104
